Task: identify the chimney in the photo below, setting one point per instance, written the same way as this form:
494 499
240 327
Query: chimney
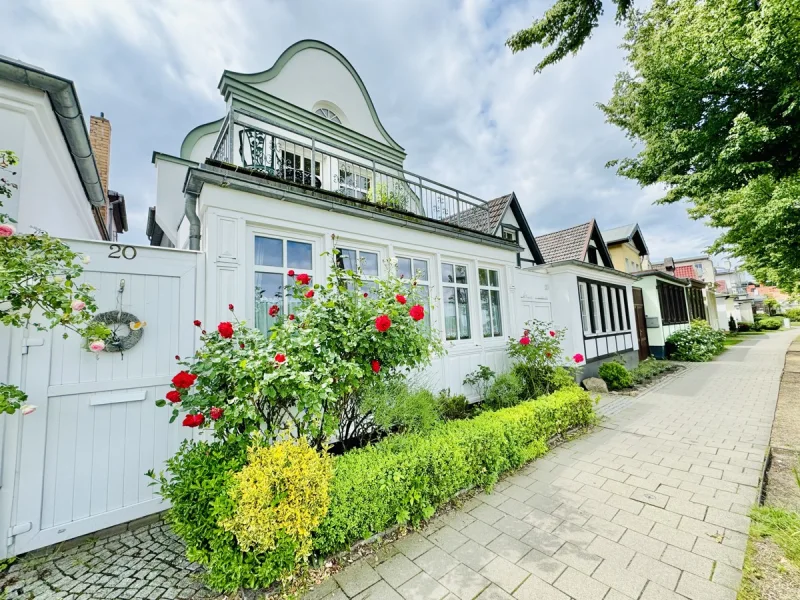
100 139
669 265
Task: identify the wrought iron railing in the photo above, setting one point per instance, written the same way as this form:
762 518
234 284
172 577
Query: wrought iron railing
317 165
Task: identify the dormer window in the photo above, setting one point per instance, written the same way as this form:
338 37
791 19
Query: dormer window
327 113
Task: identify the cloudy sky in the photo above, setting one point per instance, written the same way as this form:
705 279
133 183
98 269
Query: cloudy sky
467 111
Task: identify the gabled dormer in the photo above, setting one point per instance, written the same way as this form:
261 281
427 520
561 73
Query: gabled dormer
582 243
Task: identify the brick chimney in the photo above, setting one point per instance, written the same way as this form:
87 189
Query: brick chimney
100 139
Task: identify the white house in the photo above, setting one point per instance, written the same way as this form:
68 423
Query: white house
300 155
666 307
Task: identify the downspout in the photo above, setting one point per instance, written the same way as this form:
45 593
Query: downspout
194 220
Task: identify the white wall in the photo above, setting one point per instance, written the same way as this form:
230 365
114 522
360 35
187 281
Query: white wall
656 336
50 194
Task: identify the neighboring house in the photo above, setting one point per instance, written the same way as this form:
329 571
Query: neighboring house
588 296
666 307
300 155
699 272
627 247
702 267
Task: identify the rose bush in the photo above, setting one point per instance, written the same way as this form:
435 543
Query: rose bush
539 364
308 375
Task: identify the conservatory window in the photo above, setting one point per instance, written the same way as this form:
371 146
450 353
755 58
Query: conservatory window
416 269
489 283
273 257
455 299
351 259
327 113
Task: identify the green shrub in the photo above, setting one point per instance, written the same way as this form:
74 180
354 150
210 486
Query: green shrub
744 327
506 390
452 406
793 314
771 323
480 379
537 356
562 378
615 375
406 477
698 343
649 368
731 324
397 407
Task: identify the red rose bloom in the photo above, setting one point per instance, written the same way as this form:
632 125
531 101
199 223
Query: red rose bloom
174 396
280 358
303 278
417 312
400 298
274 310
290 272
376 366
177 357
225 329
552 333
197 323
184 380
578 357
216 413
365 294
291 317
382 323
230 306
310 294
193 420
241 345
548 354
524 340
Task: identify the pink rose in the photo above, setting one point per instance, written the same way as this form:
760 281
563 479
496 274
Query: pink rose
578 358
28 409
97 346
78 305
7 230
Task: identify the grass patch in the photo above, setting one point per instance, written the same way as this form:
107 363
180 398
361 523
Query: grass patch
732 341
781 526
650 368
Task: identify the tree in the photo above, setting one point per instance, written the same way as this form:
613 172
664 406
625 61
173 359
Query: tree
38 286
771 305
567 25
712 98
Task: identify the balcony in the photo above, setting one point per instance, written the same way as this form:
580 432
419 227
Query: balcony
287 155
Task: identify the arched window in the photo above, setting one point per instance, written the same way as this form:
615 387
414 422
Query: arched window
326 113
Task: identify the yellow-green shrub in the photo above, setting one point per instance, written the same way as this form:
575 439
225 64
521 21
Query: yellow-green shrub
280 497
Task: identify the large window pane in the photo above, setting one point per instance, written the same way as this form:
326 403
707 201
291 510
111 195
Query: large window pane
582 293
369 264
464 331
494 278
421 269
298 255
450 318
347 259
448 275
404 268
497 321
268 292
461 274
269 252
483 277
486 313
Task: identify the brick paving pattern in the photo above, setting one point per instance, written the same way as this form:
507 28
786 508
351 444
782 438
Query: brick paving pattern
652 505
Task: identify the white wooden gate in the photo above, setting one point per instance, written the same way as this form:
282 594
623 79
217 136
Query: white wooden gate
82 455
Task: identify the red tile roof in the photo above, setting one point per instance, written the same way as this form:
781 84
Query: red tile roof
722 286
686 272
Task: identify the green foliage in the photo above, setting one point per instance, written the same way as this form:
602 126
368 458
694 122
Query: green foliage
732 327
506 390
698 343
742 327
793 314
781 526
405 478
615 375
480 380
567 25
771 323
395 197
453 406
649 368
398 407
772 305
712 100
537 356
38 285
312 372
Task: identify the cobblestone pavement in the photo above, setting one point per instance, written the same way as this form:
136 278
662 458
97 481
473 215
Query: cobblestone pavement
651 505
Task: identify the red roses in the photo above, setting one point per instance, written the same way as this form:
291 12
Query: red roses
174 396
193 420
303 278
280 358
290 272
417 312
382 323
310 294
225 329
184 380
274 310
291 317
216 413
552 333
524 340
400 298
197 323
578 358
376 366
230 307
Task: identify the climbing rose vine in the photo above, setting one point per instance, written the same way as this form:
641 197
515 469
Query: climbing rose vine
308 373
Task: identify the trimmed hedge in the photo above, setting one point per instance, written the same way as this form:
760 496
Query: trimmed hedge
405 478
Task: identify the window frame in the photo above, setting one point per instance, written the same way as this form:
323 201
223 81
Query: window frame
467 265
427 283
605 317
489 288
359 249
673 303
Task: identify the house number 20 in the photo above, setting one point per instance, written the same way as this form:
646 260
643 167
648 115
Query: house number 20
119 251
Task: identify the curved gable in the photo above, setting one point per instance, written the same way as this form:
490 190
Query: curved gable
310 74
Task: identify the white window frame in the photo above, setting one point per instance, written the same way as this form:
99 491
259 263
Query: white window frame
426 283
344 245
456 286
583 298
489 289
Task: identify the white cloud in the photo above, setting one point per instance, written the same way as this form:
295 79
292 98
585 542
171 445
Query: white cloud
468 112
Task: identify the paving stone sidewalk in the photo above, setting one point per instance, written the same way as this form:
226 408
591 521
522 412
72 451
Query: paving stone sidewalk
651 505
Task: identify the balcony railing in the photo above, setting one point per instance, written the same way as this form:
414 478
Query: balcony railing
347 173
